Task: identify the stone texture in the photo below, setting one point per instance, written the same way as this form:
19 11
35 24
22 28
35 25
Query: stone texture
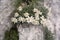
30 32
6 7
55 17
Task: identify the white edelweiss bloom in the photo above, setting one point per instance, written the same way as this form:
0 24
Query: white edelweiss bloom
41 22
26 14
36 16
30 19
38 12
42 17
21 19
16 14
14 20
35 22
44 22
20 8
35 10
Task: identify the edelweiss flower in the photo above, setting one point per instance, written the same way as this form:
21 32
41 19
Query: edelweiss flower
26 14
42 17
43 21
16 14
20 8
38 12
35 22
30 19
14 20
35 10
36 16
21 19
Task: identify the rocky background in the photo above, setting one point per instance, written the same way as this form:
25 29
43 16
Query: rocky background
30 32
54 16
6 8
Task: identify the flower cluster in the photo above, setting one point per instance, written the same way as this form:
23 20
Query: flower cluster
27 17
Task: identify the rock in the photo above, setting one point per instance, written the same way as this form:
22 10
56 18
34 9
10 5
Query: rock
55 17
6 8
30 32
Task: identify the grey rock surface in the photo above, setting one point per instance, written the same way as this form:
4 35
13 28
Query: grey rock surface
6 7
55 17
30 32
